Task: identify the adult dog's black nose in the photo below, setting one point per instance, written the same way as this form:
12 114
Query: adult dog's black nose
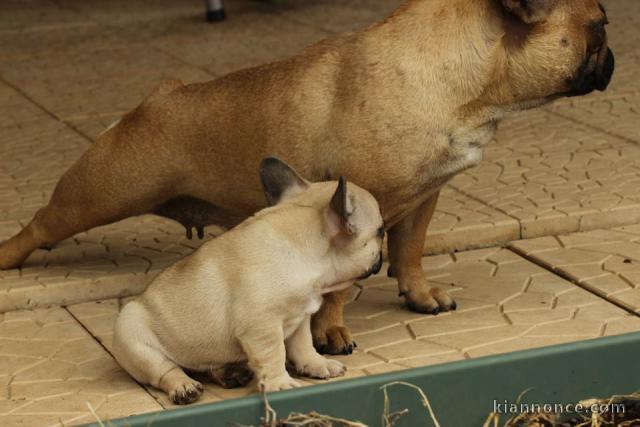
604 73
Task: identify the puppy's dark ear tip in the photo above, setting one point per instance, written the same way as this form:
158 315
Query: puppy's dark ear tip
269 162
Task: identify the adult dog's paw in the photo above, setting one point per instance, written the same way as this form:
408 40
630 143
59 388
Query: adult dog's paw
333 340
321 367
281 382
429 300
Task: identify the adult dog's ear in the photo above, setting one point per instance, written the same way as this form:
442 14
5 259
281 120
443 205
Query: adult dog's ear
279 180
529 11
341 207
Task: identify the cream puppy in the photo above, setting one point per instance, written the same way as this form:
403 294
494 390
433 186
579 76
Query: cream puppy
248 295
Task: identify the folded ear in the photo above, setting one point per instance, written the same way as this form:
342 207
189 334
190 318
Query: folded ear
279 180
341 207
529 11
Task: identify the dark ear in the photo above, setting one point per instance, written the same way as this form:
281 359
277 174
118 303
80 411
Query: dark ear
342 207
279 180
529 11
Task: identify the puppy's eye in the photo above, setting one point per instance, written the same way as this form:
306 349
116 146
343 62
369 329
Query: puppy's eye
380 232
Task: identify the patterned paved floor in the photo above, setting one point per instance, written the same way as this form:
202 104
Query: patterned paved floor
54 361
564 178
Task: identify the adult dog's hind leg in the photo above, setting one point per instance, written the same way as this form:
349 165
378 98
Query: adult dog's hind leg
110 182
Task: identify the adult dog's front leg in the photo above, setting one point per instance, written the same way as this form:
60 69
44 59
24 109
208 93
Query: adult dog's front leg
406 242
330 336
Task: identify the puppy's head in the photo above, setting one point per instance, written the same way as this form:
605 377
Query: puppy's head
555 48
350 216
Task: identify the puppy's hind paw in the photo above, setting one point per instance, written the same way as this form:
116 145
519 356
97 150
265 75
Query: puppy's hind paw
186 393
231 375
282 382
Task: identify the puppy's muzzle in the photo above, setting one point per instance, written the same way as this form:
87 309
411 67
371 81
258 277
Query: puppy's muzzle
596 79
374 269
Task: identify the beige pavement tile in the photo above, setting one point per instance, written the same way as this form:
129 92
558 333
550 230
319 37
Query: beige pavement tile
418 362
390 338
622 326
410 349
556 176
607 262
82 81
518 344
112 261
50 381
37 16
340 15
383 369
461 223
251 38
395 334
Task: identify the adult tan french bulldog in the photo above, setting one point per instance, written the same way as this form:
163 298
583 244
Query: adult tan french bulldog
248 295
398 108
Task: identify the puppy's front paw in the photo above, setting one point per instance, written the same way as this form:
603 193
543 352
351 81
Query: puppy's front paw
186 392
282 382
322 368
333 340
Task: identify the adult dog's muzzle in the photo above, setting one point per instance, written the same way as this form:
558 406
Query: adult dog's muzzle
597 79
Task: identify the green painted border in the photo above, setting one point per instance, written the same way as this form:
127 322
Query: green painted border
461 393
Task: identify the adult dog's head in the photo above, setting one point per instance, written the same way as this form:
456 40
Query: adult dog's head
554 48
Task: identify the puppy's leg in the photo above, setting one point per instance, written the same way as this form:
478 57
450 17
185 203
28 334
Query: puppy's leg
111 181
406 242
139 352
264 346
306 359
330 336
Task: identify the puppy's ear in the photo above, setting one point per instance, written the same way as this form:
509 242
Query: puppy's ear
529 11
341 208
279 180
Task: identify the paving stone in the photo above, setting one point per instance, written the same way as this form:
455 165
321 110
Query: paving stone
51 381
606 262
556 176
460 223
79 270
396 338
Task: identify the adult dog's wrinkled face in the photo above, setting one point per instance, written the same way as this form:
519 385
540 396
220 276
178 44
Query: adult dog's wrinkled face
556 48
